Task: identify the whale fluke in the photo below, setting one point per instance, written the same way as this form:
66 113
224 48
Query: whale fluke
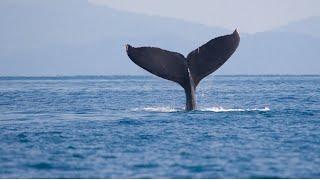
166 64
209 57
188 71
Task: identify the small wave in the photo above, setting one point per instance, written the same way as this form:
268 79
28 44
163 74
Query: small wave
221 109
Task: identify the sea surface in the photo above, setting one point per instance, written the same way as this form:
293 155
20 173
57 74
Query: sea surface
136 127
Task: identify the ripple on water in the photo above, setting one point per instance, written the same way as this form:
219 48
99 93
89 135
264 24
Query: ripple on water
244 127
41 166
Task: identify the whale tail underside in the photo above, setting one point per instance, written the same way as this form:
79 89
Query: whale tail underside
186 71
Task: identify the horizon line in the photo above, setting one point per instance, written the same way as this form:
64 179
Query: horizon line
141 75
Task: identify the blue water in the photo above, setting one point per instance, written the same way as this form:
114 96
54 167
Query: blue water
135 127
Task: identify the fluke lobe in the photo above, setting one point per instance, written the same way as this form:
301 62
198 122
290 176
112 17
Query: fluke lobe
188 71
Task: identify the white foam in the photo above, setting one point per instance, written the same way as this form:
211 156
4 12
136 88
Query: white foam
221 109
157 109
167 109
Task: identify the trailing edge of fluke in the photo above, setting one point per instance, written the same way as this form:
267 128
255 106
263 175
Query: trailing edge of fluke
186 71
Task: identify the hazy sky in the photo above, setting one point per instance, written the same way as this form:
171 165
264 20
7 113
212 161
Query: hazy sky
248 15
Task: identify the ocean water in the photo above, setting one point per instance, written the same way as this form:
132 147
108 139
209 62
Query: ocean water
136 127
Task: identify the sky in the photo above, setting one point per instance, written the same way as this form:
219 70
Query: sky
249 16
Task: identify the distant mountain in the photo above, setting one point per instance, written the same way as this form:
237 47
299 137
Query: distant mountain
45 37
74 37
309 26
275 53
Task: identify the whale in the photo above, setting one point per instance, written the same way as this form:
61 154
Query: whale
186 71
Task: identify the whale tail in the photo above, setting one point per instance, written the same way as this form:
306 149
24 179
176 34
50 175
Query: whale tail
186 71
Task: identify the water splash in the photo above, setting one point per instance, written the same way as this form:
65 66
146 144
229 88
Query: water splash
167 109
221 109
158 109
